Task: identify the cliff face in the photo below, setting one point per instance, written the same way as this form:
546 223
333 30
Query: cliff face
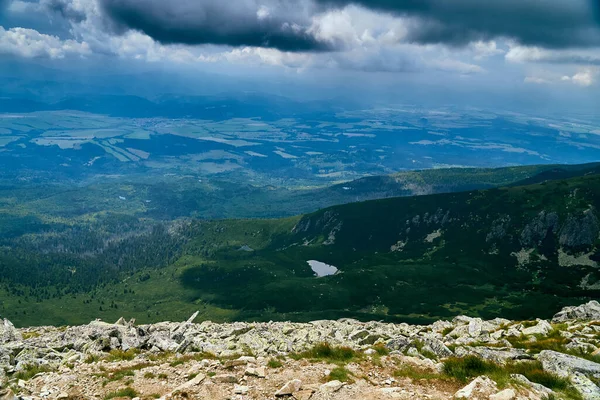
319 360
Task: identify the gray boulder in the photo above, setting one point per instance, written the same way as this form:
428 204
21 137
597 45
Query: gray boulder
497 355
588 311
8 332
585 387
438 348
564 365
399 343
542 328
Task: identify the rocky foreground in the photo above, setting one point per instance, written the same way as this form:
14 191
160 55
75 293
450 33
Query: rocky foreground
346 359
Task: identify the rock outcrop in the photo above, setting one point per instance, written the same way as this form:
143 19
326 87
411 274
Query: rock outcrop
588 311
244 359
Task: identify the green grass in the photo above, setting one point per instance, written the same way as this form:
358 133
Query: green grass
92 358
340 374
30 371
120 355
381 350
127 392
327 353
118 374
467 368
417 374
30 335
274 363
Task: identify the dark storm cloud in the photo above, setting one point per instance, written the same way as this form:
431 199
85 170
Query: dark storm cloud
236 23
546 23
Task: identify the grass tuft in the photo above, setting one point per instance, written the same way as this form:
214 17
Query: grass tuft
120 355
30 371
274 363
469 367
326 352
340 374
127 392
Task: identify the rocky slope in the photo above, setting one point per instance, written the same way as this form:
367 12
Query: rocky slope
345 359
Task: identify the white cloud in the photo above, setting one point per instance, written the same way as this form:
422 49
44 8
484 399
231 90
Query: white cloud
30 43
585 77
485 49
526 54
581 77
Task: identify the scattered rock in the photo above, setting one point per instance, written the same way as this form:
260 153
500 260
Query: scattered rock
7 394
225 378
331 387
585 387
8 333
535 386
259 372
542 328
190 384
563 364
497 355
289 388
479 389
239 389
588 311
303 395
507 394
438 348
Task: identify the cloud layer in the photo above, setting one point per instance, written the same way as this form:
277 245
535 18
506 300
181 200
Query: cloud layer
548 23
465 38
284 25
289 25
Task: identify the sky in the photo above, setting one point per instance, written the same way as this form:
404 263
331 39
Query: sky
545 49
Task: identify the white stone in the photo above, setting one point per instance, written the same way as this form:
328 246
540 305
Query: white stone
331 387
480 385
289 388
239 389
506 394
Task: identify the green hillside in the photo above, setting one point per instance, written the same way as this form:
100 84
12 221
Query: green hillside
515 252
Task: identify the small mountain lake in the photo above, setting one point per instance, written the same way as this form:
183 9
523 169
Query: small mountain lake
321 269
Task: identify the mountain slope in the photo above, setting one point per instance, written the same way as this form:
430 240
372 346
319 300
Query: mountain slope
508 252
514 252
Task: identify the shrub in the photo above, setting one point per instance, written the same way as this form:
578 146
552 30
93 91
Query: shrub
414 373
